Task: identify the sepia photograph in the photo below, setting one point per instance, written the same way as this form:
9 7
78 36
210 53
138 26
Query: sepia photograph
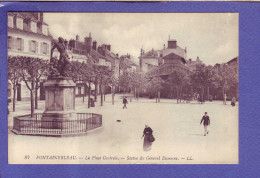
123 88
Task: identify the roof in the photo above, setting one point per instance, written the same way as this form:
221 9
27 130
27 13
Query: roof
123 65
96 56
174 56
151 53
26 28
28 15
129 60
164 52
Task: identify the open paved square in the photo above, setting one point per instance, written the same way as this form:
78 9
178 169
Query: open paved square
177 130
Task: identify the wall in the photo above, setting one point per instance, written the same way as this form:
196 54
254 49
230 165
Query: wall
25 92
26 51
153 61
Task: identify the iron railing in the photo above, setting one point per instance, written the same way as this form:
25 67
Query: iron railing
34 125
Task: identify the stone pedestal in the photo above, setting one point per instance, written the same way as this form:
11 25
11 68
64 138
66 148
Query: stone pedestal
59 103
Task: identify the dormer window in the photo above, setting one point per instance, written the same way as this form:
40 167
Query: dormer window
33 27
10 21
19 23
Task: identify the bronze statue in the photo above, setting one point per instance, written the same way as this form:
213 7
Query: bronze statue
63 63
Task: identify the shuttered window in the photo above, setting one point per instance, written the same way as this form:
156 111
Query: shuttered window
19 44
44 47
33 46
19 23
10 21
10 42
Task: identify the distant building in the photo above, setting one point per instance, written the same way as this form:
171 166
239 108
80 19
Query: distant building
111 57
28 35
127 64
234 63
77 50
164 62
192 64
158 57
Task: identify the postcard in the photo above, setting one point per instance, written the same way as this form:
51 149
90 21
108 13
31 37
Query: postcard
123 88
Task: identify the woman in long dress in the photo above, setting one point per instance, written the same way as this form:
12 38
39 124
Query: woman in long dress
147 144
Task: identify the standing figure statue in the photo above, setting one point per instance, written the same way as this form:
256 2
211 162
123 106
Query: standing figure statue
64 58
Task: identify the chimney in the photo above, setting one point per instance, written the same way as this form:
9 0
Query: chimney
94 45
77 37
88 43
108 47
101 50
172 44
164 47
198 59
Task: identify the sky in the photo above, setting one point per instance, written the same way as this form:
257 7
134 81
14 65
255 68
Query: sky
211 36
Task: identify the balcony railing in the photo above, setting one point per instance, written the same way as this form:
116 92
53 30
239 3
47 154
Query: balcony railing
34 125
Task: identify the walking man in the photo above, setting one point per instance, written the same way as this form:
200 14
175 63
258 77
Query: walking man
125 102
206 123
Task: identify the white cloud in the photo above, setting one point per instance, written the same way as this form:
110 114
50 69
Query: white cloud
211 36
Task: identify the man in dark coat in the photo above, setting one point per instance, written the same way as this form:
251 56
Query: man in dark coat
125 102
206 123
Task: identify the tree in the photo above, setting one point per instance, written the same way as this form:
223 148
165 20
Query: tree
13 73
124 81
202 78
100 73
32 70
178 80
225 77
76 72
80 71
138 83
88 76
156 84
110 80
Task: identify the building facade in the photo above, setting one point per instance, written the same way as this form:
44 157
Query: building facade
28 35
154 58
164 62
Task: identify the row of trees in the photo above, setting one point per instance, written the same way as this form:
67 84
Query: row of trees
182 85
33 70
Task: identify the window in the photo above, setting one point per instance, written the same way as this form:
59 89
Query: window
102 62
44 48
19 23
44 30
10 21
10 42
33 46
33 27
77 91
19 43
108 64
